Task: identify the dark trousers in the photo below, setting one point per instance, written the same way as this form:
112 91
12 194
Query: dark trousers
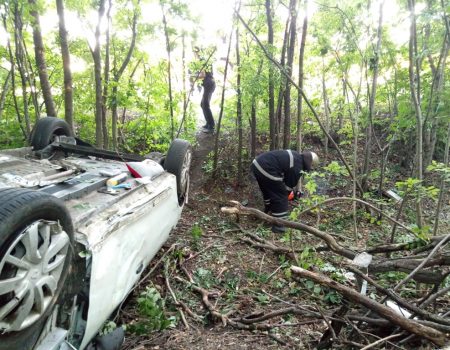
208 90
274 194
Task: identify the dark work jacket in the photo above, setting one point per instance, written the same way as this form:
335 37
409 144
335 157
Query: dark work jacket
208 82
277 164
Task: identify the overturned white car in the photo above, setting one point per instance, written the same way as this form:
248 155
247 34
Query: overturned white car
71 247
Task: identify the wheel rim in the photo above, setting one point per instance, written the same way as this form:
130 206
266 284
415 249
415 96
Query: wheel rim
30 272
184 176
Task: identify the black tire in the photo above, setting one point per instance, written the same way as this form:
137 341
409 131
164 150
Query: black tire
45 131
22 213
177 162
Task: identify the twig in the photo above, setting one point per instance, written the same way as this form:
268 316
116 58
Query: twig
169 288
422 264
379 341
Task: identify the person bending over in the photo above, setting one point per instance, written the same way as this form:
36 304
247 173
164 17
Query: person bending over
277 172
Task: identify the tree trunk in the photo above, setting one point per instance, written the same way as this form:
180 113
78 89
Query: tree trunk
118 75
68 92
19 55
169 74
5 90
40 61
271 83
325 106
279 116
431 121
239 109
373 90
253 129
301 77
96 55
290 60
413 77
219 121
105 82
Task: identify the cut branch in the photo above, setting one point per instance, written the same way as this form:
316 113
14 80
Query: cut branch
435 336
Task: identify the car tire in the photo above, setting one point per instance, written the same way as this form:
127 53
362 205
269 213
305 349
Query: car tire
36 240
46 129
178 162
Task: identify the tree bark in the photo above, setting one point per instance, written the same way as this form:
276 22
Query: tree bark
105 82
118 75
169 74
413 76
65 54
271 83
96 55
301 77
19 55
222 105
373 90
239 109
290 61
40 61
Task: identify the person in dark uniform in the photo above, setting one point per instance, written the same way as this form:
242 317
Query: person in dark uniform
277 172
209 86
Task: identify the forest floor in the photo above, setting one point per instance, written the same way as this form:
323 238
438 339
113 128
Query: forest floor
211 253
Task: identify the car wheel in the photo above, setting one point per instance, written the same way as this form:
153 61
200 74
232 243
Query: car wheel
36 235
178 162
45 131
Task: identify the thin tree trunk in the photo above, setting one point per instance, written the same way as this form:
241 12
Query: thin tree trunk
271 83
253 129
325 106
413 77
301 77
40 61
239 109
219 122
183 69
369 130
290 61
442 191
279 116
118 75
5 90
68 92
105 82
96 55
253 118
20 65
169 74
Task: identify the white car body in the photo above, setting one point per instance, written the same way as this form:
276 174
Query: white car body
117 234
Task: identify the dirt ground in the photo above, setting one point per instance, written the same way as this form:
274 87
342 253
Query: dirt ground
210 251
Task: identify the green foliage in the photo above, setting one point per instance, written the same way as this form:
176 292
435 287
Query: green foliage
151 310
441 169
335 168
416 188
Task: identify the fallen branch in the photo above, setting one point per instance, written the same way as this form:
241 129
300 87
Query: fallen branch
435 336
239 209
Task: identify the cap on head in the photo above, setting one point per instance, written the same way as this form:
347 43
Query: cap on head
310 160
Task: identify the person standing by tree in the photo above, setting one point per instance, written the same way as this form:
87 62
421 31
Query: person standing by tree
209 85
277 172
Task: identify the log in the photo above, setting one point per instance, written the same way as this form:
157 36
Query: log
435 336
